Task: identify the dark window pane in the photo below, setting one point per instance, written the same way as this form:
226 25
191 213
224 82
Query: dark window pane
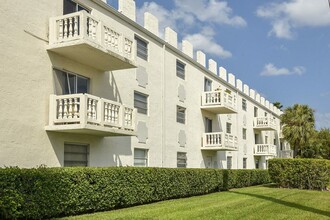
69 7
82 85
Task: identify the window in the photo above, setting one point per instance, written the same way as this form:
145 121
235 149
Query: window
141 103
244 134
208 125
207 85
229 162
141 48
182 160
265 114
140 157
266 139
180 114
257 164
70 83
255 112
180 69
244 163
244 104
274 141
70 6
76 155
228 128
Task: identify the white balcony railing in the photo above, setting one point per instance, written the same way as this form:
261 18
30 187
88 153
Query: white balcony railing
69 29
219 141
265 150
88 110
266 123
219 99
285 154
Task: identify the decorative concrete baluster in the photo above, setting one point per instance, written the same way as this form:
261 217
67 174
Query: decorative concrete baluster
94 109
65 114
89 27
60 109
70 27
70 109
65 28
89 108
75 33
105 36
75 108
106 112
60 33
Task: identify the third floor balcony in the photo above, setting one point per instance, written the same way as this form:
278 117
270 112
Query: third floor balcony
86 39
219 141
219 102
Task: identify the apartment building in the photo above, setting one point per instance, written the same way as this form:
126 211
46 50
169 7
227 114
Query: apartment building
83 84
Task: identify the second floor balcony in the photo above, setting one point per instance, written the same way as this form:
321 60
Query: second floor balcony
86 39
285 154
219 141
88 114
219 102
264 123
265 150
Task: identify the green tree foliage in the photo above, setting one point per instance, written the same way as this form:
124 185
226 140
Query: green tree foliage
299 126
319 145
300 173
278 105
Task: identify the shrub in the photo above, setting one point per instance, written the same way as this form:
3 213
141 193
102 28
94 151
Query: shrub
300 173
53 192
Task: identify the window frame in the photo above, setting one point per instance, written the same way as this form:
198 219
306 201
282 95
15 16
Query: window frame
244 163
229 160
139 48
65 162
145 158
140 109
256 110
244 105
205 85
180 71
67 83
228 128
178 159
244 130
78 7
181 118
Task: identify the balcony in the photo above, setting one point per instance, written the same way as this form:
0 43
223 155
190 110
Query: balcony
264 123
219 102
219 141
87 114
285 154
264 150
81 37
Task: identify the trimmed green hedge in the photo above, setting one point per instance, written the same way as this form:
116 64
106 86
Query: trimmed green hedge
300 173
53 192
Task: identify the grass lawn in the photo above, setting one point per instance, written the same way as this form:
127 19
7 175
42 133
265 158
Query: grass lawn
258 202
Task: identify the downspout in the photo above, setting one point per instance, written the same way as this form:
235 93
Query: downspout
163 132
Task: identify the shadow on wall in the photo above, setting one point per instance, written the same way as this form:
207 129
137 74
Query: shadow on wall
103 151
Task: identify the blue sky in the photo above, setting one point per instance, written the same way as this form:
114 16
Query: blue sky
280 48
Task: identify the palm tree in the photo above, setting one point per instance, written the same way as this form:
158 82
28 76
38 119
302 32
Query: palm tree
299 126
278 104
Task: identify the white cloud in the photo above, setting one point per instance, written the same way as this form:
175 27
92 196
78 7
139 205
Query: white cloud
286 16
322 120
212 11
197 15
205 41
271 70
